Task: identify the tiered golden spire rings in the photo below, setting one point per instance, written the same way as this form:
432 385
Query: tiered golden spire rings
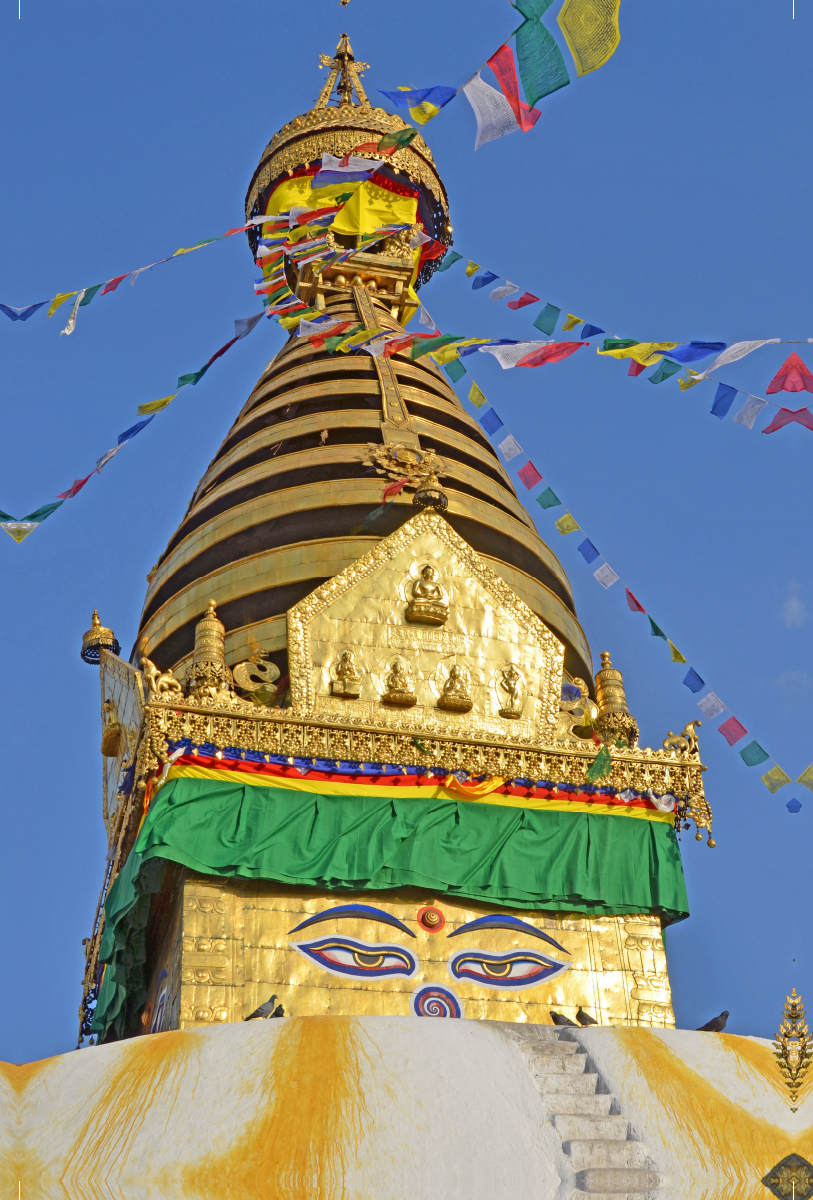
793 1048
345 69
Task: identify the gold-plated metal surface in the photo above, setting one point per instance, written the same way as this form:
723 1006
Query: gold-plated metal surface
240 943
96 639
614 718
122 694
793 1048
429 601
392 404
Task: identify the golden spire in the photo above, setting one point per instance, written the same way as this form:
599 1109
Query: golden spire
613 715
98 638
345 70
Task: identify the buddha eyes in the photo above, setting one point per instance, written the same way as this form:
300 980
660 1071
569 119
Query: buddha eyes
518 969
345 956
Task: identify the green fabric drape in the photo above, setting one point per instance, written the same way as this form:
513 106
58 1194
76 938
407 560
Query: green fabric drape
512 857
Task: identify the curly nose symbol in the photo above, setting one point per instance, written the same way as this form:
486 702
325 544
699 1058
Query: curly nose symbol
435 1000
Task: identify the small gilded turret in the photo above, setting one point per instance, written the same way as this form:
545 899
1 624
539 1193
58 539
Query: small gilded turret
614 718
98 638
208 674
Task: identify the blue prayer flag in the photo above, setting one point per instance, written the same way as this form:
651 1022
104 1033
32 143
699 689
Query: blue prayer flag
793 805
439 95
490 421
570 692
588 551
481 281
590 331
21 314
693 681
691 351
133 430
723 400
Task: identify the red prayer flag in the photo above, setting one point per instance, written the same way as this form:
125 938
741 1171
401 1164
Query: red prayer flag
431 250
77 486
636 368
633 604
398 344
317 340
222 350
502 64
732 731
553 352
792 376
369 146
786 416
392 489
529 475
112 284
525 298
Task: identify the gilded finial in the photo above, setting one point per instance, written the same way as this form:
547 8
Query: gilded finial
344 76
208 674
96 639
613 714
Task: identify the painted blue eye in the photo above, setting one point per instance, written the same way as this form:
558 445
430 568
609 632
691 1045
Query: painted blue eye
517 969
363 960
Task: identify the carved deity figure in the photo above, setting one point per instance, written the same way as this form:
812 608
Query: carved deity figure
455 696
511 683
429 604
399 686
159 684
348 681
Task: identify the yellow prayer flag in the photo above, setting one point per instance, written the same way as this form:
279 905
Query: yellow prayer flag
591 31
690 380
290 322
476 396
567 524
645 353
154 406
364 335
571 322
452 351
57 300
806 778
19 530
372 206
775 779
471 268
675 653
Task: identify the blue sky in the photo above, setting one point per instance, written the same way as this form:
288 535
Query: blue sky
665 196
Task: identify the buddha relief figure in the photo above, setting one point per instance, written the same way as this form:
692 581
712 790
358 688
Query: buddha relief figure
399 685
348 681
510 688
429 604
455 696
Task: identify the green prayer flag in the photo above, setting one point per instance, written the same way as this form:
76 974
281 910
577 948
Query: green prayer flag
753 754
4 516
449 260
618 343
541 65
475 395
193 376
397 141
45 511
601 766
806 778
89 294
454 369
547 319
332 342
427 345
775 779
657 631
532 8
548 499
666 368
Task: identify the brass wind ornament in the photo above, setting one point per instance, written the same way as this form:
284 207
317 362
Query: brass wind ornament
793 1048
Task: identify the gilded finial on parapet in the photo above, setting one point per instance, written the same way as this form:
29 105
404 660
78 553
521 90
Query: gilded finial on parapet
208 674
614 717
344 76
96 639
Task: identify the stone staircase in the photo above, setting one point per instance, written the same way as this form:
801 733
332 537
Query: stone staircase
607 1164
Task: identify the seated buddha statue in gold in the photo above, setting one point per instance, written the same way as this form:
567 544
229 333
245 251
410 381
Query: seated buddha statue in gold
429 604
398 686
348 681
455 696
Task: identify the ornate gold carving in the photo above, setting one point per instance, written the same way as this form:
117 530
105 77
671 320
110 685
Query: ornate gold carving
401 637
576 717
392 402
793 1048
791 1179
398 685
347 681
398 461
455 694
208 674
614 718
159 683
96 639
111 733
257 677
429 604
511 687
344 74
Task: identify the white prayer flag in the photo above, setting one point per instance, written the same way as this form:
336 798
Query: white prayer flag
503 290
353 165
509 356
605 575
495 117
69 328
424 318
711 706
106 457
419 238
244 325
509 447
750 411
736 351
306 328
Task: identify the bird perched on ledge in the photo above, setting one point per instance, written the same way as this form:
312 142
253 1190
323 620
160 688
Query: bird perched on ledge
584 1018
716 1024
558 1019
266 1011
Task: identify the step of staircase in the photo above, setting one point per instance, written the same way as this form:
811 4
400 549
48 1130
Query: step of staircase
571 1127
576 1104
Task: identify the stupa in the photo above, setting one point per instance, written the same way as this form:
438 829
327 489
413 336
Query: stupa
351 760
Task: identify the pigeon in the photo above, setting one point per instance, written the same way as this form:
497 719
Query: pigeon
716 1024
584 1018
267 1010
558 1019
